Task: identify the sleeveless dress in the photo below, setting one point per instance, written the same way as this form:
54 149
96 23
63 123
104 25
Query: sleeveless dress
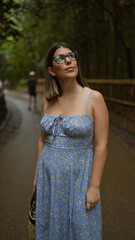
63 177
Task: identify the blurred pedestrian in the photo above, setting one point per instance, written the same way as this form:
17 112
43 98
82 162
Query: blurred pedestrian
33 89
1 84
68 172
1 87
6 84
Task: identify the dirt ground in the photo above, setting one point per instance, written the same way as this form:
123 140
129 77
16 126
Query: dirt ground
18 144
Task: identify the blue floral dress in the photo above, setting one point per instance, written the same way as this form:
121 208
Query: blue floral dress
63 177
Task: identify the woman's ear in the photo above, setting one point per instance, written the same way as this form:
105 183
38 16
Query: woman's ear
51 71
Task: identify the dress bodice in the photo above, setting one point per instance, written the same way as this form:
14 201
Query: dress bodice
73 126
76 127
76 130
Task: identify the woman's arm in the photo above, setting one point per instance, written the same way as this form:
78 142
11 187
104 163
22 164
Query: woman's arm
40 146
101 130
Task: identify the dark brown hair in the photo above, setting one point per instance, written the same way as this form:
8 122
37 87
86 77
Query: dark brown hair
52 86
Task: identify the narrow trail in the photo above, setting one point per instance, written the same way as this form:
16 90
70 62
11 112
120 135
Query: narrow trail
17 159
16 172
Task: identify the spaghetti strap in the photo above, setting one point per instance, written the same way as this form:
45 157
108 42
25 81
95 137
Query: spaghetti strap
88 101
45 107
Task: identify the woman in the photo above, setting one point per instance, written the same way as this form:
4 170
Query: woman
68 173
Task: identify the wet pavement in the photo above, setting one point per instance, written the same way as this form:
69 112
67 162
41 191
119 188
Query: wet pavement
18 143
17 159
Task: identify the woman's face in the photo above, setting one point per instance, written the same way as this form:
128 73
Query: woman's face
67 69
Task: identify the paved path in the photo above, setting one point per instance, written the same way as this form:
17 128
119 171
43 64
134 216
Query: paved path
17 159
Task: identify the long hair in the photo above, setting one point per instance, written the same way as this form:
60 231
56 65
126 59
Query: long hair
52 86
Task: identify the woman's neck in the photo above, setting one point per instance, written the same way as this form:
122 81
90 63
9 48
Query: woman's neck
69 87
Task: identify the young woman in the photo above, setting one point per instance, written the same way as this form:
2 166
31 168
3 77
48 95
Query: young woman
68 171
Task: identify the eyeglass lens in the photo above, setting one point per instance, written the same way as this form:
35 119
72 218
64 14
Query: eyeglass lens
62 58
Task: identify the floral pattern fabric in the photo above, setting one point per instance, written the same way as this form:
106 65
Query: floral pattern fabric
63 177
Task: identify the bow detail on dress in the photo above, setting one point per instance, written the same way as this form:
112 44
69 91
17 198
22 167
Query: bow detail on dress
55 125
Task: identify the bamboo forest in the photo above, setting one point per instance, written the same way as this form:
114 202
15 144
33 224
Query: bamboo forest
102 31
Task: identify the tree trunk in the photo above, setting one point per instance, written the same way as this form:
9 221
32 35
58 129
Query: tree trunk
116 18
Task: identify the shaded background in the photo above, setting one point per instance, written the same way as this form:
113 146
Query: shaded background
103 33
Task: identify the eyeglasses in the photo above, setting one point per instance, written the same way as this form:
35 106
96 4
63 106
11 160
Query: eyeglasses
62 58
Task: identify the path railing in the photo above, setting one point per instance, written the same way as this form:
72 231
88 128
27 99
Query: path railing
119 91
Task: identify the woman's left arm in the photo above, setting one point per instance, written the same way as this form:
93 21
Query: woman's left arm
101 130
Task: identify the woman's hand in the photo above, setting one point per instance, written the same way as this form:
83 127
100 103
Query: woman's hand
92 197
34 184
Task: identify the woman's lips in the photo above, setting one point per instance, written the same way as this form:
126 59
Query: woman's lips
69 69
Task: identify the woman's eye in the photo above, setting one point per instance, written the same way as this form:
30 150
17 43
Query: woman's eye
62 57
58 58
70 55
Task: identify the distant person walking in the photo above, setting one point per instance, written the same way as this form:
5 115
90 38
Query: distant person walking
6 84
1 84
33 89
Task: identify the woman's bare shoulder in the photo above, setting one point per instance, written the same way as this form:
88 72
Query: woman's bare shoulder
98 102
96 95
44 101
87 89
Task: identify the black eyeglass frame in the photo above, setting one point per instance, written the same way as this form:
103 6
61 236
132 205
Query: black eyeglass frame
67 55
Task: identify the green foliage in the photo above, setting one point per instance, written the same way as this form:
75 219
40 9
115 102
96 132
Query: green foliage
95 28
8 9
22 85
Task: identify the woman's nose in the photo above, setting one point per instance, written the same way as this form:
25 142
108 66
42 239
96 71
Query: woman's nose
67 59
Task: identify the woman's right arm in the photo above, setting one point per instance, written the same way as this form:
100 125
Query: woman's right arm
40 146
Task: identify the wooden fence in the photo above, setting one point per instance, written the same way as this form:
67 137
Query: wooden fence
118 91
